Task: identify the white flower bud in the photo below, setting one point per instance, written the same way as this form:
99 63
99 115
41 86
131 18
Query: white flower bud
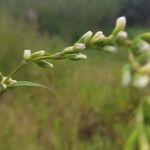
27 54
41 52
145 69
50 65
68 50
121 23
38 54
141 81
4 78
11 82
122 36
80 56
110 48
144 46
79 46
4 86
99 36
86 37
76 57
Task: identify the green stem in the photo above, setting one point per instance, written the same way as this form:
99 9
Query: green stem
15 70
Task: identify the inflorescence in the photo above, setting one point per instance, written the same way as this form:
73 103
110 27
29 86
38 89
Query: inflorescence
136 72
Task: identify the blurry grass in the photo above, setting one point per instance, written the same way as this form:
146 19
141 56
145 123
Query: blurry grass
89 109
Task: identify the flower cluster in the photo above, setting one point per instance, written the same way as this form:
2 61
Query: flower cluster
136 73
87 41
4 83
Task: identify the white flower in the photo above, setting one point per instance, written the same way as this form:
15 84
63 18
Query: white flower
141 81
121 23
122 35
27 54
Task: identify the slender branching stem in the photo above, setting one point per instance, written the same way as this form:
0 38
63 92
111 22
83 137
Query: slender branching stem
23 63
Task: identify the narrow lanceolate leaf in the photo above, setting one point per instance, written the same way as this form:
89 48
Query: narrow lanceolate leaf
29 84
132 140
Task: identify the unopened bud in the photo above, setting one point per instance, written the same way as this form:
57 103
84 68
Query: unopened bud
80 56
4 86
122 36
99 36
76 57
11 82
27 54
145 69
79 46
141 81
68 50
120 25
4 78
110 48
44 64
86 37
144 46
38 54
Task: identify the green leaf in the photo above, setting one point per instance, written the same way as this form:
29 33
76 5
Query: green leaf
132 140
28 84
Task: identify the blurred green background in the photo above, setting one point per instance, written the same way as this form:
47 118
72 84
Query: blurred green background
89 109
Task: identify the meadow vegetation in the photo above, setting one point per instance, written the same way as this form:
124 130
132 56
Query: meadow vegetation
88 109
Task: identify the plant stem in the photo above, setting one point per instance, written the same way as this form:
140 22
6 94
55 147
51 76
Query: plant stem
15 70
